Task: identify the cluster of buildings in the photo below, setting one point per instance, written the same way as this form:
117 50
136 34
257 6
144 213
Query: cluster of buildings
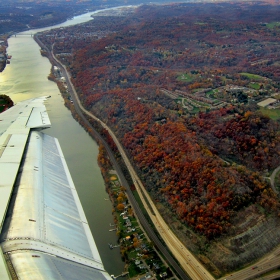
194 100
229 93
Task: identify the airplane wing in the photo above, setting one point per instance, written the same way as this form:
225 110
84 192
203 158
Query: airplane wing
44 231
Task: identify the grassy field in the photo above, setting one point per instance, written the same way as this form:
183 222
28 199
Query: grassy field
133 270
274 114
185 77
271 25
200 23
210 93
254 86
252 76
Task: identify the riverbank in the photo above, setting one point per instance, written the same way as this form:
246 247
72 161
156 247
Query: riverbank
114 187
3 53
136 248
155 235
78 147
2 65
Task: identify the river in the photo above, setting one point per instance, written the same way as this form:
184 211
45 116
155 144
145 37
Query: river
26 77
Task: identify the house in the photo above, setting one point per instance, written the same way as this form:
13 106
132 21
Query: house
128 223
123 213
155 266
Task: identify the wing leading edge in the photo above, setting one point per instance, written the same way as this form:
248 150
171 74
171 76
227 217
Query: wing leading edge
44 232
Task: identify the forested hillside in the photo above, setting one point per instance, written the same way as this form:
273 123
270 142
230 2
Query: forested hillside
179 85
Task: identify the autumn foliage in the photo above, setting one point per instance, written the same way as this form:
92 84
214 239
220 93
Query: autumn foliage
250 138
200 188
204 167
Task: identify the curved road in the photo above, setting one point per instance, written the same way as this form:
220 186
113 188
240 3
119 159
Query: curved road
269 263
186 260
148 229
272 179
184 257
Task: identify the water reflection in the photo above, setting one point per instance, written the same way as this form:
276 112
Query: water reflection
26 77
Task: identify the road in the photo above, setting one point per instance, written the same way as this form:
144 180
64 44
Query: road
272 276
145 224
272 179
268 263
187 261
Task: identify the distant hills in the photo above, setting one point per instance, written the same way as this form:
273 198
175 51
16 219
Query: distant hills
20 15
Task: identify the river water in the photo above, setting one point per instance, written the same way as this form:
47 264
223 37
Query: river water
26 77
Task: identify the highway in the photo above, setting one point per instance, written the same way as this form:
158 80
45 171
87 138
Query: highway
266 264
187 261
272 276
145 224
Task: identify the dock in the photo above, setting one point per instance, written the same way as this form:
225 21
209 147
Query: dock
111 246
121 275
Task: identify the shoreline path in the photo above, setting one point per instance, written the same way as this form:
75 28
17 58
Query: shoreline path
187 261
185 258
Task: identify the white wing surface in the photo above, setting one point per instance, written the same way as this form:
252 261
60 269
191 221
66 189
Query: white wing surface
44 232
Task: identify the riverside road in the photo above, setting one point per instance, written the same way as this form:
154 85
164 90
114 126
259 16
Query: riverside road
187 261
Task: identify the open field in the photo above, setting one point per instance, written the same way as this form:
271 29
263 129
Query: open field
273 24
254 86
272 113
175 153
252 76
185 78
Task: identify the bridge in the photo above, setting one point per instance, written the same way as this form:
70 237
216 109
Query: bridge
25 34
